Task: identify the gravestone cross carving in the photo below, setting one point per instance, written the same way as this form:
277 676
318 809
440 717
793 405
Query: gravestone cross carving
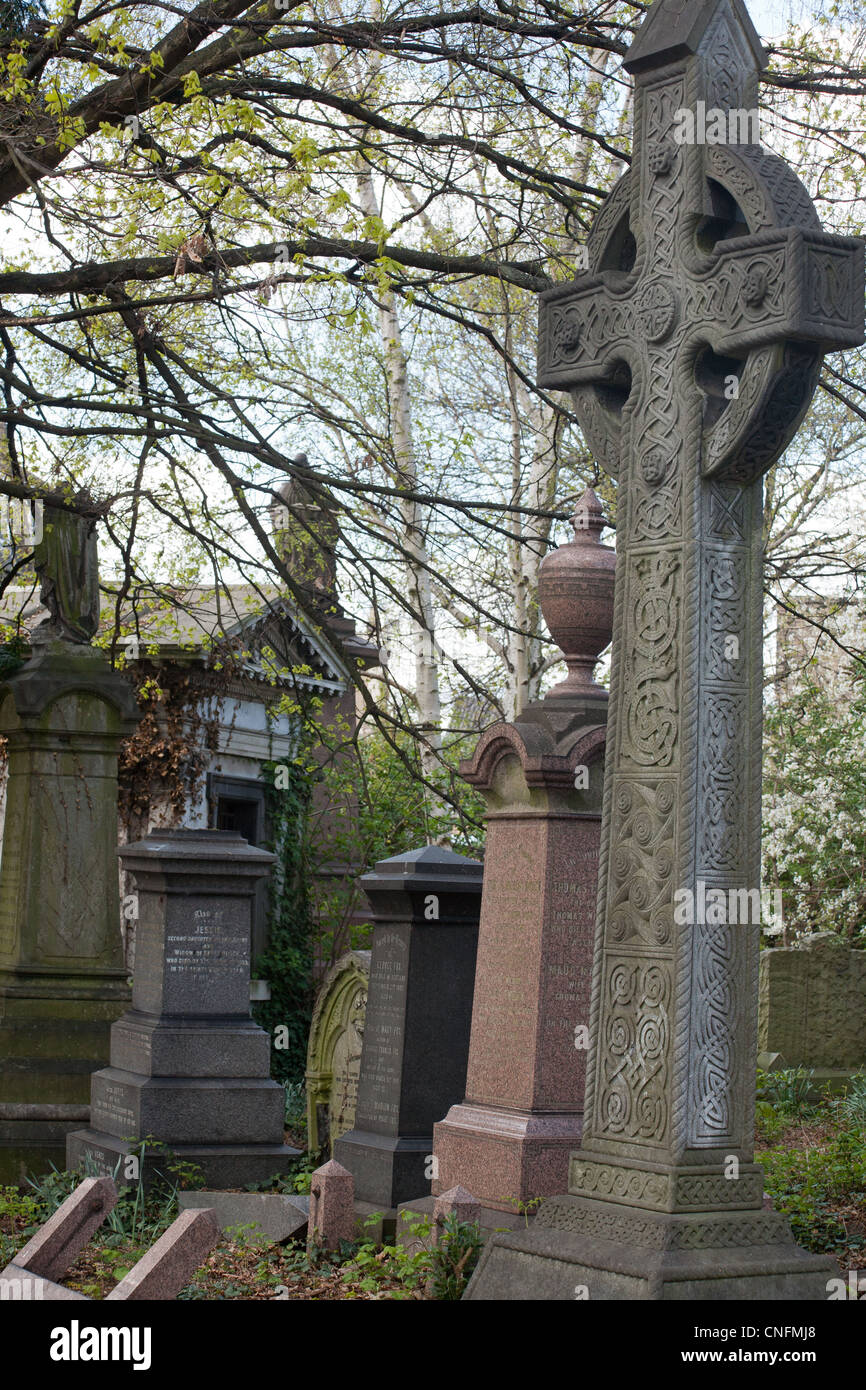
691 348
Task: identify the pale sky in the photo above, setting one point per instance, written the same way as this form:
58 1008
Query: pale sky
770 17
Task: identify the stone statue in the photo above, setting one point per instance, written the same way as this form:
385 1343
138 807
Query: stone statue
66 563
306 533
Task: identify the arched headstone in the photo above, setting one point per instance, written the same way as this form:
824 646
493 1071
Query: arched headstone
334 1050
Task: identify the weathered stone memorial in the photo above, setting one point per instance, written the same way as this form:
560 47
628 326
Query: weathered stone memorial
812 1007
62 976
334 1049
189 1067
508 1141
425 908
707 263
160 1274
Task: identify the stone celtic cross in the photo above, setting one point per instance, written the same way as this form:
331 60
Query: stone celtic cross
691 348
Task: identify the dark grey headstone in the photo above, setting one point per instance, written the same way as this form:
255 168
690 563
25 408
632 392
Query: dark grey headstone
425 906
189 1067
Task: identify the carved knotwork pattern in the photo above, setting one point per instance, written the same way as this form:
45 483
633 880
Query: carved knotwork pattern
650 694
565 335
602 434
611 212
662 157
829 290
715 998
722 791
656 514
715 1190
633 1099
656 308
655 493
627 1228
727 512
766 188
627 1184
737 421
723 299
785 402
725 578
640 893
663 1191
726 65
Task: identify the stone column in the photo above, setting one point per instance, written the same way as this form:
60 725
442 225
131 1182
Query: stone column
416 1033
708 268
188 1065
62 977
509 1140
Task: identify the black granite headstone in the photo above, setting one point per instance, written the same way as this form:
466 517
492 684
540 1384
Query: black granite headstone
189 1067
425 907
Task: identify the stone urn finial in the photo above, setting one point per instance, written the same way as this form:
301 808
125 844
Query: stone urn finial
575 590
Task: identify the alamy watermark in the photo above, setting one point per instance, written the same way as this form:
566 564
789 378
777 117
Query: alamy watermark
738 126
27 1288
706 906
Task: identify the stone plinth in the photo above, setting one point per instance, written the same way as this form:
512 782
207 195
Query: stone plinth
62 977
189 1067
416 1036
509 1139
812 1007
334 1049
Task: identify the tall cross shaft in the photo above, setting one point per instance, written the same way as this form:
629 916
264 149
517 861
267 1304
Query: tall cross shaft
692 349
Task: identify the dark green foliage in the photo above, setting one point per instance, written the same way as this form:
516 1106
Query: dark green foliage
441 1268
788 1090
287 964
454 1257
810 1184
296 1175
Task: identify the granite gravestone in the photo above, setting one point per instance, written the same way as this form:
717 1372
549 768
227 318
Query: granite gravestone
416 1035
812 1007
62 978
509 1140
160 1274
189 1068
707 266
334 1049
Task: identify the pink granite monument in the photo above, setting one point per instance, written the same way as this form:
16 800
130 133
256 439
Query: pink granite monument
509 1140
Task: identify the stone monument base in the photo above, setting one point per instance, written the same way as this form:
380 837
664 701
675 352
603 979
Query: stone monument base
387 1168
224 1165
53 1035
496 1153
647 1256
491 1221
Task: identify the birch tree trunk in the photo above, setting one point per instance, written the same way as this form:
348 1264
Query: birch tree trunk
418 564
